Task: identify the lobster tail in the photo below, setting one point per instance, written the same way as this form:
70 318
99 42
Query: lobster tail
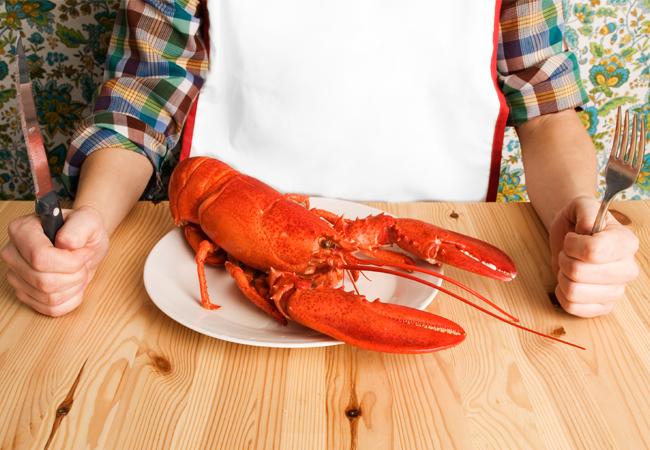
194 180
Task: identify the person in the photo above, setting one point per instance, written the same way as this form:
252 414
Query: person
273 61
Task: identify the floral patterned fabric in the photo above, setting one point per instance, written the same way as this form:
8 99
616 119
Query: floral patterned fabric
610 40
66 43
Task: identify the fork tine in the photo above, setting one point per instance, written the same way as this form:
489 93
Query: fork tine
639 155
631 150
624 164
617 135
620 152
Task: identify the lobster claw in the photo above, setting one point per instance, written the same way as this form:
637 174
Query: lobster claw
438 245
377 326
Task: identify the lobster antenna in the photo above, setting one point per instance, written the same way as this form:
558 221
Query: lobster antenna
490 313
356 289
374 262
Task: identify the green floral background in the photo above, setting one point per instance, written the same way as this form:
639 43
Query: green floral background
66 41
610 39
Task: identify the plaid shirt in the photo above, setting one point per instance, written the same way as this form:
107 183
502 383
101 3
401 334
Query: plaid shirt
157 63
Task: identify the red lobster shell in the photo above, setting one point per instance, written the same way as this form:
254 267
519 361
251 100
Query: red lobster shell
288 259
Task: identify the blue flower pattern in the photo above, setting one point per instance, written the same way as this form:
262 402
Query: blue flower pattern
611 41
66 43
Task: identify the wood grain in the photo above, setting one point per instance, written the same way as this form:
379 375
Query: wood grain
118 374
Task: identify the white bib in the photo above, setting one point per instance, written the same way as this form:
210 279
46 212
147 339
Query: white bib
364 100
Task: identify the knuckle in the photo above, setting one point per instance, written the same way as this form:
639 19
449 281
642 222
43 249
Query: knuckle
22 296
594 253
634 271
572 292
20 226
46 283
39 259
13 228
5 255
634 241
606 309
56 312
573 269
75 233
54 299
13 280
567 305
91 213
618 293
571 308
64 307
69 238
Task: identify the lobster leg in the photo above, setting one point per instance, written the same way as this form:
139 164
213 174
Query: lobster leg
376 326
195 236
205 248
207 252
247 283
244 281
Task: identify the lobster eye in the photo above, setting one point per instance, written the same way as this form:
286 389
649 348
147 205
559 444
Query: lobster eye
327 243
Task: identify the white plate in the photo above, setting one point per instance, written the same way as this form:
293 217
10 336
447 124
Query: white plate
171 280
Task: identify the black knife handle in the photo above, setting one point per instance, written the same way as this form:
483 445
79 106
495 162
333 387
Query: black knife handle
49 209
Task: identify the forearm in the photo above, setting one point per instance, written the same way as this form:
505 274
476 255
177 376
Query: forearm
151 83
111 181
559 162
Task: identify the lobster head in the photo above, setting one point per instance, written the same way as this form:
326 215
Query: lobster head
251 221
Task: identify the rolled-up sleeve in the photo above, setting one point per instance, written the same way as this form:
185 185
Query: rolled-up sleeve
156 64
537 73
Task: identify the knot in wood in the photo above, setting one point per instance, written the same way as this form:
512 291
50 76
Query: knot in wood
454 215
622 218
62 411
162 364
559 331
353 413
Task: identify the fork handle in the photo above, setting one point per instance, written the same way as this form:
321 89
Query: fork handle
602 212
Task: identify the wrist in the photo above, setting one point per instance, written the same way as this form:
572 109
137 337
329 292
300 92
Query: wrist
559 162
569 203
111 182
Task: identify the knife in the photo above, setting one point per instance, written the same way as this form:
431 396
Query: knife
47 201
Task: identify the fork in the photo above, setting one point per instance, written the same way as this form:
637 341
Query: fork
623 166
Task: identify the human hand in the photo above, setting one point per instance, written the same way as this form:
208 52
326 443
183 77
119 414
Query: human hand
52 279
592 271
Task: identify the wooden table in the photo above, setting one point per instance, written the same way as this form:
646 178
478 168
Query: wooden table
119 374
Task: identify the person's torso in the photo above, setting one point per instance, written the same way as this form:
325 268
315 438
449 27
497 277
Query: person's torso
356 99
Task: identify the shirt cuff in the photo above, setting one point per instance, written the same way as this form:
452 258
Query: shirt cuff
109 129
550 86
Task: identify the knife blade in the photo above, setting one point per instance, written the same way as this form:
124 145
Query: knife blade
47 201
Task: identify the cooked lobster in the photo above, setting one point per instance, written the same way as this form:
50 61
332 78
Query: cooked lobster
288 260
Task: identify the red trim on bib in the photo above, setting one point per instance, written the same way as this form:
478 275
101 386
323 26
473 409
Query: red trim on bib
500 127
188 131
190 120
499 130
